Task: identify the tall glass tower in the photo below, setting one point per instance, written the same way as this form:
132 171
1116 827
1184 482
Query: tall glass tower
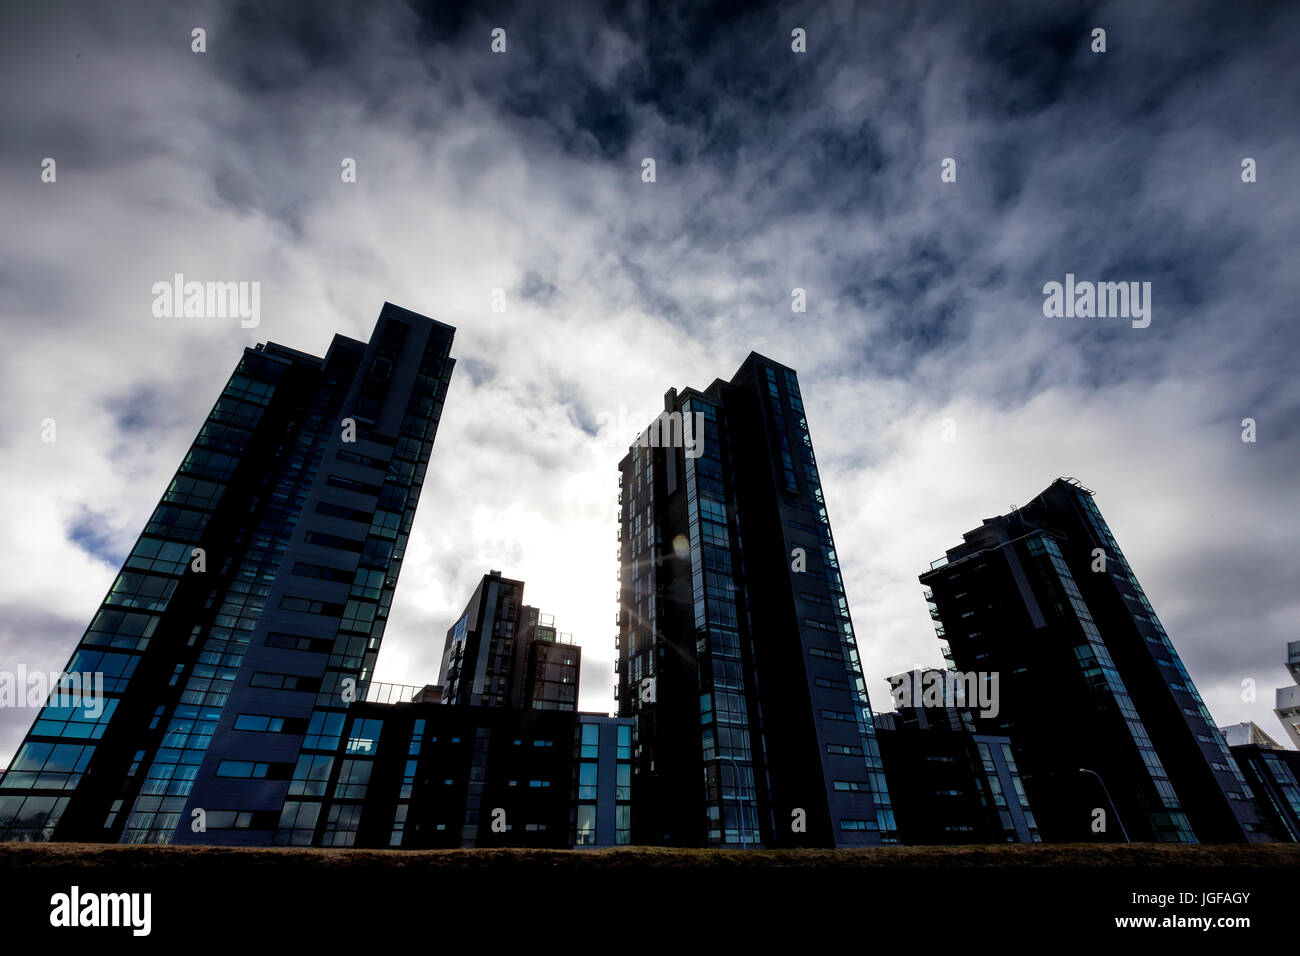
250 611
736 652
1101 712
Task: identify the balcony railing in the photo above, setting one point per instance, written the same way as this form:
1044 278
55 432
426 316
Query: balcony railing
376 692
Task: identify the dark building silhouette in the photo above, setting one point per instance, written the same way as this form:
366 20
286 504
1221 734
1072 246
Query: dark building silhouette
250 611
1273 773
1088 679
413 773
736 652
951 784
503 653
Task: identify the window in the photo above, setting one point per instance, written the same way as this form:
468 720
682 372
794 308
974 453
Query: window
259 723
349 484
310 775
363 460
332 541
857 825
341 825
354 775
115 668
194 492
341 511
229 819
358 616
590 741
306 570
121 629
587 781
76 717
308 606
283 681
48 766
585 825
324 730
243 769
292 642
364 739
148 592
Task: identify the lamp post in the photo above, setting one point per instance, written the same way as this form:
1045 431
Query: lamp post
1113 808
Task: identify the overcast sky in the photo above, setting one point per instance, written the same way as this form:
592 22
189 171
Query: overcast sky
775 170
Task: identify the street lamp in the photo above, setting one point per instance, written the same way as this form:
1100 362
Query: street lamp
739 799
1113 808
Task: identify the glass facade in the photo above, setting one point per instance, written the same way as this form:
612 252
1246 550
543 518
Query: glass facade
211 593
739 666
1044 599
731 805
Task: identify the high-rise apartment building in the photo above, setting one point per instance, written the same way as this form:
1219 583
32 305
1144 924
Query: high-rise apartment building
736 651
950 784
413 774
1273 773
503 653
1101 712
251 609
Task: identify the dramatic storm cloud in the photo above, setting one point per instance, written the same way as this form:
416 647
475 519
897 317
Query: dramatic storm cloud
774 171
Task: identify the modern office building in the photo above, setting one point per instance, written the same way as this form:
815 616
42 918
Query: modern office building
1287 705
503 653
736 651
950 784
1101 712
412 773
1273 773
250 611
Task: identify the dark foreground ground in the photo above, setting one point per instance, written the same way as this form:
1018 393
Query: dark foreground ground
659 897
